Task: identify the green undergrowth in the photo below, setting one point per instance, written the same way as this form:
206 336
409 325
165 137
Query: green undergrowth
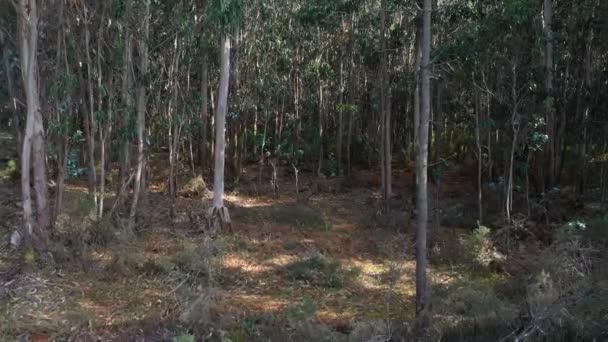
10 171
319 270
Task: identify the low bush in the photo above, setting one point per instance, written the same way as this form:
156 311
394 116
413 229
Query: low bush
194 187
11 171
320 270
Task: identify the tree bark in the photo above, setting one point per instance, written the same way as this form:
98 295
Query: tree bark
91 118
385 140
554 149
478 109
127 99
35 223
220 125
204 113
421 173
141 113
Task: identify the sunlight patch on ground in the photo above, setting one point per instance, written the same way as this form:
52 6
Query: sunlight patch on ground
249 202
252 302
233 261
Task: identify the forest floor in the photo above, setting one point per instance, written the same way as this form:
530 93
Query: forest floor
327 267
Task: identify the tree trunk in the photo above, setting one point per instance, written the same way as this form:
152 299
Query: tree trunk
321 123
478 109
515 128
141 113
550 108
204 114
35 231
91 120
340 122
385 140
351 100
220 126
417 100
421 173
127 99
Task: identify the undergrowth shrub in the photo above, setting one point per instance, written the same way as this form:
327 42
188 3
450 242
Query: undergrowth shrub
470 303
194 187
320 270
11 171
101 234
567 297
477 246
300 316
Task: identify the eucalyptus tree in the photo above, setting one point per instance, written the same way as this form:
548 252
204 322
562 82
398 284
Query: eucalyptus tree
225 14
141 110
421 169
36 221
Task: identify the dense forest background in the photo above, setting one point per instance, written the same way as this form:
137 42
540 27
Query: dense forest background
295 170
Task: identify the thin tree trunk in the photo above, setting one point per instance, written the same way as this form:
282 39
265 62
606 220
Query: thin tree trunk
550 108
479 156
128 103
340 122
204 112
321 115
91 120
35 230
220 125
417 100
385 157
515 127
421 173
351 98
141 114
62 162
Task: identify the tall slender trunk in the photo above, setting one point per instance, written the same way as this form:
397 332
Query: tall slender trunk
60 138
478 109
141 112
351 99
340 120
515 128
385 135
204 113
127 99
550 108
220 124
103 126
321 123
62 161
91 120
35 224
417 100
421 172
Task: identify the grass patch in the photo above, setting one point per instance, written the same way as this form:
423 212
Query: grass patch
320 270
294 215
